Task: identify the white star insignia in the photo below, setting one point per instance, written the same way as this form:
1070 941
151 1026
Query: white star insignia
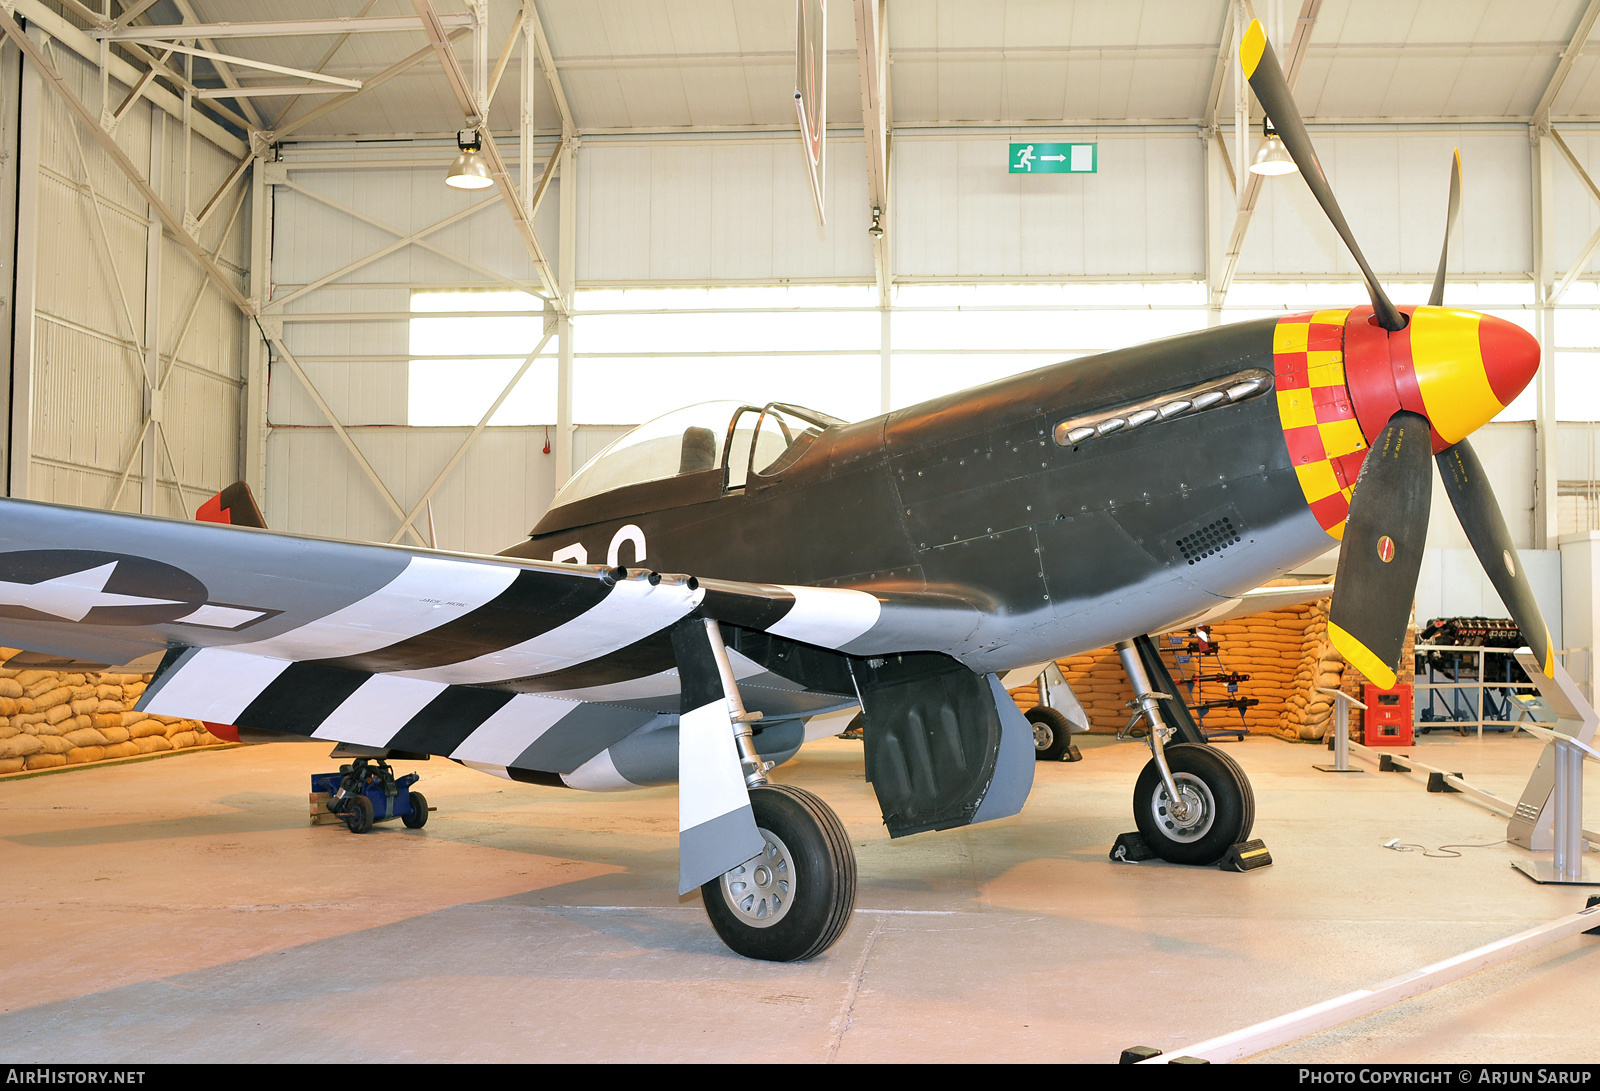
72 596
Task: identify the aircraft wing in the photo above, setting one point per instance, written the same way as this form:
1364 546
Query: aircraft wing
388 646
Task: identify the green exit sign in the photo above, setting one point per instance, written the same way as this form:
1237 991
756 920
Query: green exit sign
1039 158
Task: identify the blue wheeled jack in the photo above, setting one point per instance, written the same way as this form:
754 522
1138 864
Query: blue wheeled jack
367 791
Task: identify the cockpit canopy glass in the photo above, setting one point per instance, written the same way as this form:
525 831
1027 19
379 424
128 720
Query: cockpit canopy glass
695 439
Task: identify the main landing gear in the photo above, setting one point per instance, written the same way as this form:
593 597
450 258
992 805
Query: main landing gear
793 900
1192 802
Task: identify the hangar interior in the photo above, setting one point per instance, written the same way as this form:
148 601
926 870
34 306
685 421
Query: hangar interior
236 258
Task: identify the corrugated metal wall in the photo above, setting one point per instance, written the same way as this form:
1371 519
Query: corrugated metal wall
87 411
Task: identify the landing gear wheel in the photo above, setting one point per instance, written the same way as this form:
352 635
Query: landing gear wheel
1052 735
1249 820
418 817
793 901
358 814
1212 790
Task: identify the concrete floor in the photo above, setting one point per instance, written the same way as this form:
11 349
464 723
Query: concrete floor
184 910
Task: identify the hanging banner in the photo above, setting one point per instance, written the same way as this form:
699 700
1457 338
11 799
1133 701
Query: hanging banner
811 90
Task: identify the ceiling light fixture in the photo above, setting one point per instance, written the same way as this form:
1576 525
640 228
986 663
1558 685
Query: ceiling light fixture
1272 157
469 171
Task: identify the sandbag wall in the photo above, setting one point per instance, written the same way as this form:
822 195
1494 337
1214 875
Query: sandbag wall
1278 649
50 718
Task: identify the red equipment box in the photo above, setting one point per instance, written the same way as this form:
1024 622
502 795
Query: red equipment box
1388 718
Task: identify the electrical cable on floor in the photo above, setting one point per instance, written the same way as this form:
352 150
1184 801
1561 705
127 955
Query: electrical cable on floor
1442 852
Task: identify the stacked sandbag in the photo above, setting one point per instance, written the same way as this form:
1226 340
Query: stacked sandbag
1266 646
50 718
1308 713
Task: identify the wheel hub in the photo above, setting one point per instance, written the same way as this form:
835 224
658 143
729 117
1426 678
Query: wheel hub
1192 820
761 889
1042 736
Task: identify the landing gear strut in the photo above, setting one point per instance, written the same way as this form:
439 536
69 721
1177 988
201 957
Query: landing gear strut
1191 802
793 900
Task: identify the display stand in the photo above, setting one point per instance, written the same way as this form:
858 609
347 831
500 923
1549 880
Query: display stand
1537 822
1341 739
1566 865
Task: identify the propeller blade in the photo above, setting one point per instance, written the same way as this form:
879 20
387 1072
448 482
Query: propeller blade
1468 488
1436 297
1272 88
1382 550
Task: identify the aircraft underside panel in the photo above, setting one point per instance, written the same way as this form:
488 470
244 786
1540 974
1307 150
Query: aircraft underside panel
944 747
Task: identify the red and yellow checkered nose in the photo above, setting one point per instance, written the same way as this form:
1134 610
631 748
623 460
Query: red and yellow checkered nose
1340 377
1457 368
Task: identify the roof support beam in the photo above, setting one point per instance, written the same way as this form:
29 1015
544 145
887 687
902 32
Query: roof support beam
91 122
187 11
569 130
53 24
1580 35
246 62
338 44
405 64
473 112
120 32
872 60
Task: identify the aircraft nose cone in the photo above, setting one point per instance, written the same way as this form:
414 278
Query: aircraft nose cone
1510 356
1469 366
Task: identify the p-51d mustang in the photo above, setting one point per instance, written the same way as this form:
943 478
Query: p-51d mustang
899 563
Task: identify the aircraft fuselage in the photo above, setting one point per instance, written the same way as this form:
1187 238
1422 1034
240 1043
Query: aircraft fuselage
1063 547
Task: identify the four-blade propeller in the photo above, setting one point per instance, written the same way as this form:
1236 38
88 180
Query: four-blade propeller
1451 373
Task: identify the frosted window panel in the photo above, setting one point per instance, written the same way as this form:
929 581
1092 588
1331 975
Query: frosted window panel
728 331
480 335
456 393
914 377
745 298
627 390
1577 328
1075 294
1577 386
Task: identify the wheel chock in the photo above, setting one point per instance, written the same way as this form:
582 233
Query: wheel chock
1594 900
1436 783
1072 754
1386 763
1246 856
1135 1054
1132 848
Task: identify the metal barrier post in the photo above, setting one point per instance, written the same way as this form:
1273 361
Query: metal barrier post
1341 740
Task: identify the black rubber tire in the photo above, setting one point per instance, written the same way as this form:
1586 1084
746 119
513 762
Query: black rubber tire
1249 794
418 817
1226 813
823 890
358 814
1052 734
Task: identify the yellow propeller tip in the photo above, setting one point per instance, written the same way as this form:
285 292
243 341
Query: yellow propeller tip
1252 47
1359 656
